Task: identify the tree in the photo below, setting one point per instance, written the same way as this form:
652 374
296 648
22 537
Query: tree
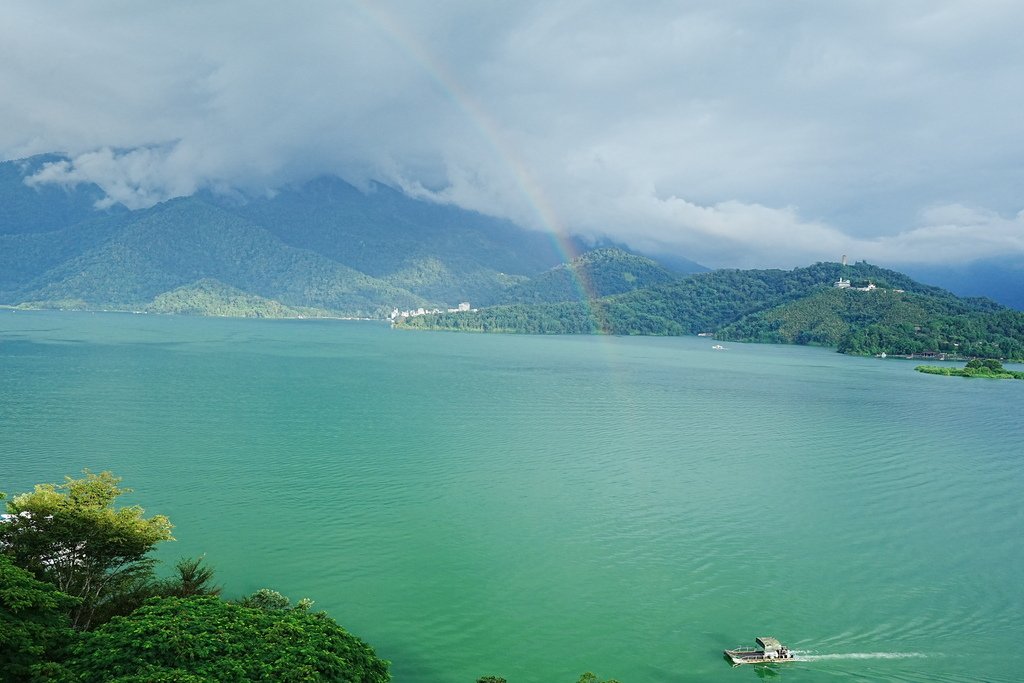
134 627
590 677
207 639
34 625
985 365
191 577
72 536
269 599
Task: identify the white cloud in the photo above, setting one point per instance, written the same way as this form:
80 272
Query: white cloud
735 134
952 233
138 178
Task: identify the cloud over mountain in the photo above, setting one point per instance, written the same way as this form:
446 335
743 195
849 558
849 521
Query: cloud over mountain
739 134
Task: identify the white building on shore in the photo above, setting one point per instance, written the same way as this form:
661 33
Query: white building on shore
461 308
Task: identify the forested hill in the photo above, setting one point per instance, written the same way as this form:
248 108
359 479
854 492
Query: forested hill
325 245
210 297
328 248
601 272
801 306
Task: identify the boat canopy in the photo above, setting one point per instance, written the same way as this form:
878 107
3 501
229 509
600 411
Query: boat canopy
768 643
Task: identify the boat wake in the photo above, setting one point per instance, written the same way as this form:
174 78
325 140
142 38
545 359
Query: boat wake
805 656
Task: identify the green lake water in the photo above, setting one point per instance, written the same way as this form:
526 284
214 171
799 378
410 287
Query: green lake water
536 507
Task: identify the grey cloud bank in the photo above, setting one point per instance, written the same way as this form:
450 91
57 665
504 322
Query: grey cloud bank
735 134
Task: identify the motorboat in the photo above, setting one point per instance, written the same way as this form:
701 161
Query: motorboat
768 650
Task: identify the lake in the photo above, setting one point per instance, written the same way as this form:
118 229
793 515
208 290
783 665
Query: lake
537 507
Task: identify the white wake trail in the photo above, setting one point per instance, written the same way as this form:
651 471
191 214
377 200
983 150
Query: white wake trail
804 656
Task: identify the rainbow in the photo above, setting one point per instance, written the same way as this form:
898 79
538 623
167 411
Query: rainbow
409 45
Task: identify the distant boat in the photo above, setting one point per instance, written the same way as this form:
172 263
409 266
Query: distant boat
718 347
769 650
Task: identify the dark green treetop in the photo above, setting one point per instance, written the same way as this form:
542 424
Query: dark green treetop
34 625
205 638
73 536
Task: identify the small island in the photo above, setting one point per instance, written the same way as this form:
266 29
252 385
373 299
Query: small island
988 368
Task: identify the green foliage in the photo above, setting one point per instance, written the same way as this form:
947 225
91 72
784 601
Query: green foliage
438 280
144 628
597 273
268 599
987 368
774 306
696 303
193 578
204 638
34 626
72 536
189 239
589 677
439 251
563 318
491 679
210 297
55 305
984 364
869 323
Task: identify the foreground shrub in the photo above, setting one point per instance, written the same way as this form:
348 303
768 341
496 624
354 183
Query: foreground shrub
205 638
34 627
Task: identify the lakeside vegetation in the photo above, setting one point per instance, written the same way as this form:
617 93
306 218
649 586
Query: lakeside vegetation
213 298
206 298
610 291
986 369
81 601
801 306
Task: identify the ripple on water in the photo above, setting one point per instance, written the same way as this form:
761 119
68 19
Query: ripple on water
539 507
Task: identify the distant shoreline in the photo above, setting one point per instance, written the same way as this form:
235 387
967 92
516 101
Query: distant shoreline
403 325
22 307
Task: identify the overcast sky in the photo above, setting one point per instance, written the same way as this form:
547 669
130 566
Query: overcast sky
767 133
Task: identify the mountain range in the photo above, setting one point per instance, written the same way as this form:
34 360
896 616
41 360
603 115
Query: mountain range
327 248
323 246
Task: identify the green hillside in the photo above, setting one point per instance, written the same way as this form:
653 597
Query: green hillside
885 321
801 306
173 244
597 273
325 244
210 297
436 280
26 257
443 253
